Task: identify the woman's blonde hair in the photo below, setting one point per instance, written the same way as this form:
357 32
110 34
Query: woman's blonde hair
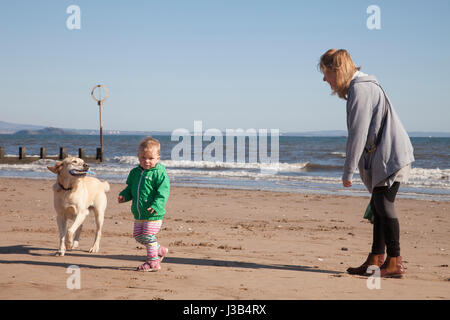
149 144
340 62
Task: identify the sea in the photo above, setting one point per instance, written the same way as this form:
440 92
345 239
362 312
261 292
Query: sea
303 164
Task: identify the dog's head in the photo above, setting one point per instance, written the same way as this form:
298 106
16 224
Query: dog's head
69 169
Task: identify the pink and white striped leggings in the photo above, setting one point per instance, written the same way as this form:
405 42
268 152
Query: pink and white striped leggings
145 233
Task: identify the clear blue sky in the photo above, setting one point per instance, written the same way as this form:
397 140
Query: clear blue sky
230 63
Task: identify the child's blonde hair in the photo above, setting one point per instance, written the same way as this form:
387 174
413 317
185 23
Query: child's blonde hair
340 62
149 144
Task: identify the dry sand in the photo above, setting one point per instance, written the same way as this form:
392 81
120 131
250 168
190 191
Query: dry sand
224 244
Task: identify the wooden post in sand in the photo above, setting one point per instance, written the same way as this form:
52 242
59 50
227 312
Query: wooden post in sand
62 153
2 152
81 153
100 101
22 153
99 155
43 154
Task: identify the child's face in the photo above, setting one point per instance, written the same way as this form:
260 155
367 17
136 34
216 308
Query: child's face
148 159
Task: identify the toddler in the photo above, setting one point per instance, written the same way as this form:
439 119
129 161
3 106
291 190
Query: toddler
148 186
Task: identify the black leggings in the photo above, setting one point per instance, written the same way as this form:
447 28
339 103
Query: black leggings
386 230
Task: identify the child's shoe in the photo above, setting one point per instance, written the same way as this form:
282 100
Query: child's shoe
155 265
150 266
162 252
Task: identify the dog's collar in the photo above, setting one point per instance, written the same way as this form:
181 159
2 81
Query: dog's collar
62 187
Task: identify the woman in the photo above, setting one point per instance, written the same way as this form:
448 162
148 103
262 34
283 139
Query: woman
379 146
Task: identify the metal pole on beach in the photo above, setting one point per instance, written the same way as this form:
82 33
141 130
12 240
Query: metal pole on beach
100 106
100 101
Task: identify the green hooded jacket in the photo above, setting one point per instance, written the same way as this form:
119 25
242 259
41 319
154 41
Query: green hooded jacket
148 189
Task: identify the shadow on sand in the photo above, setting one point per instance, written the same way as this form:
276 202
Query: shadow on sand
36 251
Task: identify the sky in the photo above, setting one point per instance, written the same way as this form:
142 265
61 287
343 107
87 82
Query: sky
228 63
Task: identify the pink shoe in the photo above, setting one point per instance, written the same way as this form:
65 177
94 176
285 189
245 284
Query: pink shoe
162 252
150 266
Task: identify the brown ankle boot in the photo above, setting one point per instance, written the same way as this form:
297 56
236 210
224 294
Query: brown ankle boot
372 259
392 268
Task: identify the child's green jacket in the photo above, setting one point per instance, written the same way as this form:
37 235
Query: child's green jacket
148 189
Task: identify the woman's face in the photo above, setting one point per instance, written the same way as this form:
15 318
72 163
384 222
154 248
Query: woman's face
330 77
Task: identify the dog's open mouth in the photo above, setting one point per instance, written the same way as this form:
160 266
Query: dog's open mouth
76 172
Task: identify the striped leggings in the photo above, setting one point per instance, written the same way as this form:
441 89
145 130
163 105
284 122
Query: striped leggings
145 233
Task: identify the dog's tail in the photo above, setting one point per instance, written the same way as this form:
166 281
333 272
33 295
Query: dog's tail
106 186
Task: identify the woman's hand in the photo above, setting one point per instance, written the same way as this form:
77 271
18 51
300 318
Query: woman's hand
121 199
347 183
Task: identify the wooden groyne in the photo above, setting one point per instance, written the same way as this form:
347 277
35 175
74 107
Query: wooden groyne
22 156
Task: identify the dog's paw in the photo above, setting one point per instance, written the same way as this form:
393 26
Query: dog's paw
75 244
94 249
59 253
69 240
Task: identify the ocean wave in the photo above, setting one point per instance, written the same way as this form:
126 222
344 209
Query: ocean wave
36 166
414 181
419 178
128 160
429 177
119 167
339 154
212 165
217 165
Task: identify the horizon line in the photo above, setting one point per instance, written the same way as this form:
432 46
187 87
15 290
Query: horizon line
118 132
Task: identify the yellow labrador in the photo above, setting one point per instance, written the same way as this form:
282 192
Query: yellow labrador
75 195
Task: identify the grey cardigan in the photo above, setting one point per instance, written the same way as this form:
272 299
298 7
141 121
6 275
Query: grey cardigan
365 110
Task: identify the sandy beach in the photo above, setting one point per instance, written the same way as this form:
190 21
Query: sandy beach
224 244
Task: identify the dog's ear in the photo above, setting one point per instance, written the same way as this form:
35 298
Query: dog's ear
56 168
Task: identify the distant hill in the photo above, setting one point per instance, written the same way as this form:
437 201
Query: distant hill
8 128
26 129
45 131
